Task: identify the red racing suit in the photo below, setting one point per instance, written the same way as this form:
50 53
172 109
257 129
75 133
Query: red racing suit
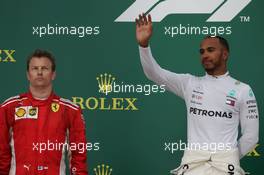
34 133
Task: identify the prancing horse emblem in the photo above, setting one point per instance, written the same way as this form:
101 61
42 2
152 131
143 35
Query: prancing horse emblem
55 107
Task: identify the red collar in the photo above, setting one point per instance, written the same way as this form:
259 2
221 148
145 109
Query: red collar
38 102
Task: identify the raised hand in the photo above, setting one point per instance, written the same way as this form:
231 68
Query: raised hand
143 30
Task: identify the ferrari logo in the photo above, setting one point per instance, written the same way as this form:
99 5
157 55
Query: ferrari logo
55 107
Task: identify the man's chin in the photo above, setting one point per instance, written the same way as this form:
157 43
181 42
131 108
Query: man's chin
209 69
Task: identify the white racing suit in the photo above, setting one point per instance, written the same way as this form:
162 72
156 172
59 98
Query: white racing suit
216 106
207 163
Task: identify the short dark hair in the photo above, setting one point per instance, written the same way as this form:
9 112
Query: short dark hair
42 53
222 41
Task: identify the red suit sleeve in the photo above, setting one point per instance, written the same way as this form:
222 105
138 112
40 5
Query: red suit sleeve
77 141
5 149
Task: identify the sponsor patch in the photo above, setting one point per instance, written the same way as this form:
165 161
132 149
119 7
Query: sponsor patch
249 102
252 116
237 82
26 112
55 107
250 93
210 113
32 111
230 102
232 93
20 112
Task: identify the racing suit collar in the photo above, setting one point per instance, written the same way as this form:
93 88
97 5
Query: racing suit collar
39 102
216 77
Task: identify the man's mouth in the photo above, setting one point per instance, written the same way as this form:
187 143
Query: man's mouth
206 62
39 79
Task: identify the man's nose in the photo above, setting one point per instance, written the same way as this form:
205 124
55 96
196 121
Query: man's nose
40 71
204 55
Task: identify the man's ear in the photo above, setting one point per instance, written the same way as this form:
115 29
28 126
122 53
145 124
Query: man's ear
225 54
27 75
54 75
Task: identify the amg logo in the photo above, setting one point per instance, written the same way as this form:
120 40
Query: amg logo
203 112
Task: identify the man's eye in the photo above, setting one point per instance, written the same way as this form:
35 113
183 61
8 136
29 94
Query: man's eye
201 51
45 68
210 49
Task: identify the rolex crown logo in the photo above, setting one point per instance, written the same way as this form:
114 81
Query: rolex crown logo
105 82
103 170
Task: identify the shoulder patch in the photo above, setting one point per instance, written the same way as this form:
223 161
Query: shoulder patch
69 103
250 93
237 82
11 99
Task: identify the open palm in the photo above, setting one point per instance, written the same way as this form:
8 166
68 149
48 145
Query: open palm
143 30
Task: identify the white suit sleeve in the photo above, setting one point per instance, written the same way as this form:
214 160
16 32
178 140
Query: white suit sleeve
249 122
173 82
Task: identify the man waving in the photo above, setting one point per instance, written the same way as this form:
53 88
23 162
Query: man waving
216 105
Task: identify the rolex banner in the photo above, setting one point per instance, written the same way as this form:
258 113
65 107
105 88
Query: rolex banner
133 126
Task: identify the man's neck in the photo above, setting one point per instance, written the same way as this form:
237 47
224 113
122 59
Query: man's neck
40 92
216 72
